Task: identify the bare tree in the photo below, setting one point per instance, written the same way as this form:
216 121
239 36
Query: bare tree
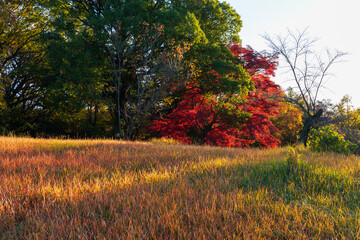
309 70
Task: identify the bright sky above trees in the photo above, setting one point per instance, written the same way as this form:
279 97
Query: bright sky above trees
334 22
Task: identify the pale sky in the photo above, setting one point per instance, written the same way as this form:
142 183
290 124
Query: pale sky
335 22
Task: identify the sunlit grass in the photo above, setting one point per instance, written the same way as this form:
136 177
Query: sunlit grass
107 189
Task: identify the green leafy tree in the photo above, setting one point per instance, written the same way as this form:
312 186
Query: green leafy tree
21 23
138 38
347 120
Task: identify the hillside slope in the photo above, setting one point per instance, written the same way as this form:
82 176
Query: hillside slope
104 189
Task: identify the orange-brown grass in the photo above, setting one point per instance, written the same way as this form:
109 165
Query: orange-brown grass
107 189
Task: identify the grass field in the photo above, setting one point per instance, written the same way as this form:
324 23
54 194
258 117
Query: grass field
105 189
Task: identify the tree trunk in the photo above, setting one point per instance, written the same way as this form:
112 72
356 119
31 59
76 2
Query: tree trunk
117 119
309 122
95 113
198 134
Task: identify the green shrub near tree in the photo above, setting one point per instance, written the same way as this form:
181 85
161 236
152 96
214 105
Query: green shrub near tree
328 139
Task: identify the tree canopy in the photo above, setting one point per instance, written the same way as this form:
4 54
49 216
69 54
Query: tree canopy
235 119
138 69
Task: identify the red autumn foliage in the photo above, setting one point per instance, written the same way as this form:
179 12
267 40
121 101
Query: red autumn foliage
202 117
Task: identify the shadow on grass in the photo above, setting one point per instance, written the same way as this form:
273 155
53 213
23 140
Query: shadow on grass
302 182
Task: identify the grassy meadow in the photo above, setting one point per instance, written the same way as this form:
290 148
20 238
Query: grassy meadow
107 189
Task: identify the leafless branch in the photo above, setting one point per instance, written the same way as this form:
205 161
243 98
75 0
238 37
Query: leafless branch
309 70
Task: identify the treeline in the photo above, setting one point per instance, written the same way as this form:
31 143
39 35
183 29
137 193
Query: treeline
104 68
137 69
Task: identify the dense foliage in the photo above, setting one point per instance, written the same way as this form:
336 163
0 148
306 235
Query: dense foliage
104 67
289 122
228 119
142 69
328 139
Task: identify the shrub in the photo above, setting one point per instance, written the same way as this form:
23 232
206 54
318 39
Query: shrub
289 122
328 139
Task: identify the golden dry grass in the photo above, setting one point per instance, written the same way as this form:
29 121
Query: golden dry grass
105 189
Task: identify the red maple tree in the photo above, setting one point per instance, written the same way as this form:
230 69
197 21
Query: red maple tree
205 117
